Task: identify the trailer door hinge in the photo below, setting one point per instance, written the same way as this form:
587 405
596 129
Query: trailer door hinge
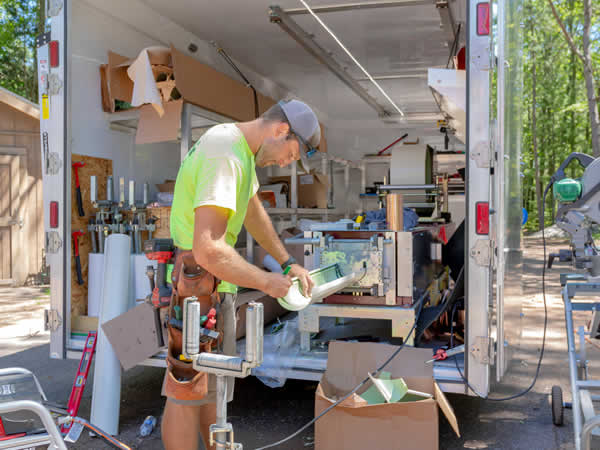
52 320
481 350
53 164
54 84
54 7
53 242
480 54
481 252
43 39
481 154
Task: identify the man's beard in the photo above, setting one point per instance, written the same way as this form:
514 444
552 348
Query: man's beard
260 158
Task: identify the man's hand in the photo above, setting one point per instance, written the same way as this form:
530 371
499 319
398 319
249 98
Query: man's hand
277 285
296 270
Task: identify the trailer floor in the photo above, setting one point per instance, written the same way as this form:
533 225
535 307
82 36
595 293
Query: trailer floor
261 415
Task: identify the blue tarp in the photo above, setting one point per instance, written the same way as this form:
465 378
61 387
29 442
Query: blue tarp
377 218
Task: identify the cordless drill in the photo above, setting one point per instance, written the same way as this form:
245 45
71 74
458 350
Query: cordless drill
160 250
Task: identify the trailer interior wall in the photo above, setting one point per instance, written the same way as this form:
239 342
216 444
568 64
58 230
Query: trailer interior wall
351 142
96 34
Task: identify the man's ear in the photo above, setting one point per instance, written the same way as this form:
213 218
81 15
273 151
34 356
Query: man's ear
282 129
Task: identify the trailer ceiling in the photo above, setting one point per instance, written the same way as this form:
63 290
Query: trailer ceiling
400 41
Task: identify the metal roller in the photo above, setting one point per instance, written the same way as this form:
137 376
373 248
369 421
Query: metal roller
219 361
191 327
254 333
405 187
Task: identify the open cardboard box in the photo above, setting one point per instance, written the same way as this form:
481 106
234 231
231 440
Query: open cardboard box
196 83
312 189
356 426
183 79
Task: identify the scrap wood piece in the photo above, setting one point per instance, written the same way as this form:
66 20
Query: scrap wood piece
157 69
165 88
354 401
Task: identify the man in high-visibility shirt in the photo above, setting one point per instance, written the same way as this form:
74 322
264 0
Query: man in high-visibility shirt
215 194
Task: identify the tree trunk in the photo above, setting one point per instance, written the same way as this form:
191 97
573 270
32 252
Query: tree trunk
572 77
41 27
552 163
538 183
588 74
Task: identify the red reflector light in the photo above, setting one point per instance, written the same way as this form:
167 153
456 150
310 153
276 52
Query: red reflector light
53 51
483 19
53 214
482 218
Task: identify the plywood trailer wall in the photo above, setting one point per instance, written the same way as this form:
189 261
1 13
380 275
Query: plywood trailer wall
101 168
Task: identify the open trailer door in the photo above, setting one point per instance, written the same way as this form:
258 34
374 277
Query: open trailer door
478 246
56 164
507 184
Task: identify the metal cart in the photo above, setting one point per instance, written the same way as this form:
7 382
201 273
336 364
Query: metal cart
585 419
21 393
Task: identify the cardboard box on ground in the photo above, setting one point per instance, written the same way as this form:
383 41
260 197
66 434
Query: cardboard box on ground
355 425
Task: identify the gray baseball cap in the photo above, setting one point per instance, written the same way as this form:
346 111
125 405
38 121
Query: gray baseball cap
305 126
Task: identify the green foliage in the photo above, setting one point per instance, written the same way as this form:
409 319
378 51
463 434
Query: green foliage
562 124
20 23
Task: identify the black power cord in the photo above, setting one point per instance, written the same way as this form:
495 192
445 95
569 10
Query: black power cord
539 364
419 305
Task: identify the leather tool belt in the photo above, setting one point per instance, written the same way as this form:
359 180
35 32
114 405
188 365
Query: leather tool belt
189 279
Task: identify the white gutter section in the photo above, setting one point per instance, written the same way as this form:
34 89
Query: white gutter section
448 87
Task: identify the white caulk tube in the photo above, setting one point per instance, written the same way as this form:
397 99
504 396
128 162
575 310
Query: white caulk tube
93 190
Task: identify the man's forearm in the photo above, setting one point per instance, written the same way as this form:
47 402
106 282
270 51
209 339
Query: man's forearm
224 262
259 224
